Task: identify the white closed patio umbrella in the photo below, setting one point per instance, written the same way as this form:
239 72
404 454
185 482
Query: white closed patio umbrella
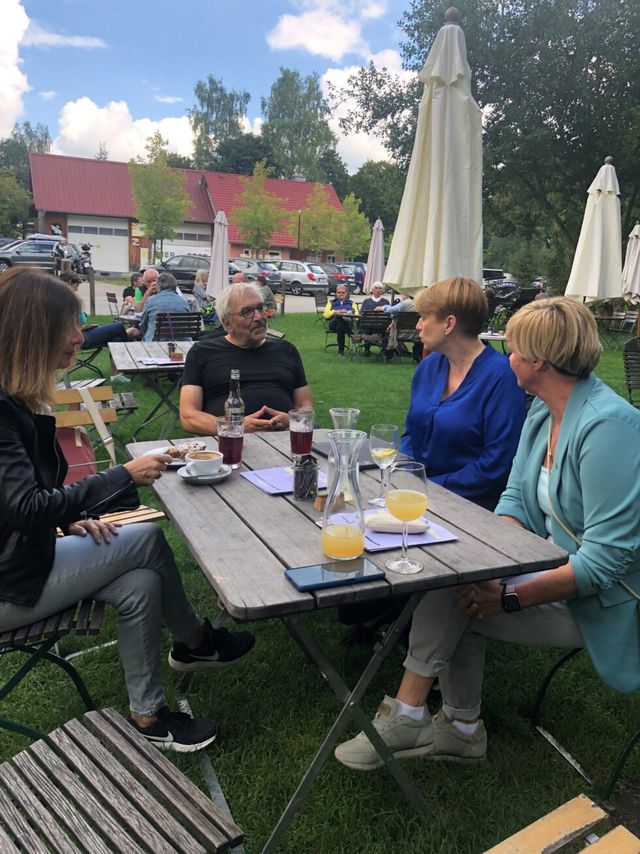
439 229
219 268
596 272
631 271
375 259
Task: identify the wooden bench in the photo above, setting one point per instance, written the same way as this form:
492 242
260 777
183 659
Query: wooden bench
95 785
565 826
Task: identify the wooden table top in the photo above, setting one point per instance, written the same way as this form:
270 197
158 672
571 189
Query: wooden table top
243 539
126 356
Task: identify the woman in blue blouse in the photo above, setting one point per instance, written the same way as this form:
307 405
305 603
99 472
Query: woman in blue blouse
466 409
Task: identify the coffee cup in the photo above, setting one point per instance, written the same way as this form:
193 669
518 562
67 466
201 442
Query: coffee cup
203 463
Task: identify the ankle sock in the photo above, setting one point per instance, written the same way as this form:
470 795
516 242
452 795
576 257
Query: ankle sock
466 729
415 712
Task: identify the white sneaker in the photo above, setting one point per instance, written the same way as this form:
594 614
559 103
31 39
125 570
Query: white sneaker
404 736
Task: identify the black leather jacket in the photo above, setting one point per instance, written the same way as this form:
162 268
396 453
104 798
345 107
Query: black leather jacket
33 502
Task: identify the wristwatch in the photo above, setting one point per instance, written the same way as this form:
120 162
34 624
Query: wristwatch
510 599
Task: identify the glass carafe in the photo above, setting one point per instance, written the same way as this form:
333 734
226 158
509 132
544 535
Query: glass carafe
343 519
344 418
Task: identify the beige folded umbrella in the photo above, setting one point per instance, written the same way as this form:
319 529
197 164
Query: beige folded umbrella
375 259
631 272
439 229
596 273
219 269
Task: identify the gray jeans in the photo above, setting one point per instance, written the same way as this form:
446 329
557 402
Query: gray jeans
446 643
137 574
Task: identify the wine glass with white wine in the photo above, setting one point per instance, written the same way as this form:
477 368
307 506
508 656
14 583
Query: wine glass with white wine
406 500
384 445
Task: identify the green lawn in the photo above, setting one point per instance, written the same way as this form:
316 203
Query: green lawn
274 708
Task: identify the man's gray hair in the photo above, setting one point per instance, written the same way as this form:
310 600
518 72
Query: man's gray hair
230 297
167 282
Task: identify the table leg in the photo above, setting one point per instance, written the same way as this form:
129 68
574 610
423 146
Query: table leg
164 406
350 708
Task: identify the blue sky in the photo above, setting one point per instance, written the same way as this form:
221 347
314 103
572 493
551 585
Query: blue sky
116 71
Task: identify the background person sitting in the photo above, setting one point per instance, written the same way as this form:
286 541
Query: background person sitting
94 335
131 568
569 482
200 289
340 312
166 299
375 302
272 377
267 295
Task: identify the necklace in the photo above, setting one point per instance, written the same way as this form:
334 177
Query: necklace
550 449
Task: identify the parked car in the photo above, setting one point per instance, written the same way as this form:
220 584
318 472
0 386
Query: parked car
358 268
233 269
183 267
255 268
300 277
33 252
338 275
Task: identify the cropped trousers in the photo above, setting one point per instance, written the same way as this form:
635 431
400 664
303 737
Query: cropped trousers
446 643
135 573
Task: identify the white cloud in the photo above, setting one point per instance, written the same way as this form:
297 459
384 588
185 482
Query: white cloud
168 99
373 10
14 83
83 125
320 32
252 125
38 36
356 148
48 94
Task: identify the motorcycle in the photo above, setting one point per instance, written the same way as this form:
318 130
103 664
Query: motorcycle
81 263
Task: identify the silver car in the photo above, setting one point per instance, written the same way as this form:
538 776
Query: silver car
255 268
301 277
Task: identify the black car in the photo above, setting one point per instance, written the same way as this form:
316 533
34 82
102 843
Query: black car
183 267
338 275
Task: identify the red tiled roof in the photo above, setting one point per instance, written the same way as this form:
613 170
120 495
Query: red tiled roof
102 188
225 190
99 187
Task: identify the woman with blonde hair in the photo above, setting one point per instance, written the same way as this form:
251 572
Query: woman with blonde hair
200 289
131 568
576 480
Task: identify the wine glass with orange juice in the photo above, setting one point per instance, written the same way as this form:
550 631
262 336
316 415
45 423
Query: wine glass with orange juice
406 499
384 444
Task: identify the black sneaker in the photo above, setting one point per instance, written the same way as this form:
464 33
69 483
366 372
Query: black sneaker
177 731
219 648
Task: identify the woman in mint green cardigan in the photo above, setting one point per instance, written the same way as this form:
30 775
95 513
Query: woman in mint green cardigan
575 479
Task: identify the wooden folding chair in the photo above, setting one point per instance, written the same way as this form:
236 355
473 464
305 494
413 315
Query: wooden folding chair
176 326
112 301
631 362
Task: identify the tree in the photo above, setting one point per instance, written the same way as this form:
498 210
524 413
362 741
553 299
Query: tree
318 222
379 185
103 153
15 149
559 83
161 201
14 204
179 161
216 117
258 215
295 125
334 171
353 232
240 155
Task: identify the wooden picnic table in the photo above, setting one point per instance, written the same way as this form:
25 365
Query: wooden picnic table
244 554
163 379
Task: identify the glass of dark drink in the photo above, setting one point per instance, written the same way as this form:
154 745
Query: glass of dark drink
230 439
301 431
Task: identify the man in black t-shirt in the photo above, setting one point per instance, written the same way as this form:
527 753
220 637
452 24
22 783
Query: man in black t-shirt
272 378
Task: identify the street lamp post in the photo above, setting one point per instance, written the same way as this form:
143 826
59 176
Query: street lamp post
299 218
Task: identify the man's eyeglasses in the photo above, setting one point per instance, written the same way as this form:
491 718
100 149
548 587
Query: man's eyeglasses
249 310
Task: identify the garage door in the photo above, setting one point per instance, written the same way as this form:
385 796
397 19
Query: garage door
109 238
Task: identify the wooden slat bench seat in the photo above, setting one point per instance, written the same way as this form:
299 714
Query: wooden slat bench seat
95 785
565 826
124 400
36 640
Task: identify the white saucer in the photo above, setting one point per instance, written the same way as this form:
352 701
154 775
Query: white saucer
223 471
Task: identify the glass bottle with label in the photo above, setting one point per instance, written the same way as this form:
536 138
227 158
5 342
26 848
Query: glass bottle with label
234 404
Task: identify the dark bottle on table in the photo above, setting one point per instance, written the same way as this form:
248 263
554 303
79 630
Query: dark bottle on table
234 404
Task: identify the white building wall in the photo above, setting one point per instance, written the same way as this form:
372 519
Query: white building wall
109 237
